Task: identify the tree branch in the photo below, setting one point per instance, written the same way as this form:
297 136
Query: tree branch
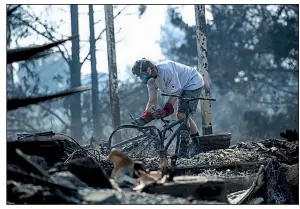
53 38
99 36
98 21
49 36
277 88
17 130
22 122
10 11
274 103
53 113
295 8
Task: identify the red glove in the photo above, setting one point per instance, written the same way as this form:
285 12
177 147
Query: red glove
164 112
147 115
145 118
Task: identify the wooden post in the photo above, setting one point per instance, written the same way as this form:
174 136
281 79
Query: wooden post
203 68
112 67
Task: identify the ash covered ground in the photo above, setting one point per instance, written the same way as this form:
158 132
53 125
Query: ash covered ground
42 172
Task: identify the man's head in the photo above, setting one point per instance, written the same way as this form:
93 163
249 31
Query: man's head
144 69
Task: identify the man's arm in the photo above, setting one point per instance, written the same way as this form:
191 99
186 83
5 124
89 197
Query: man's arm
152 99
153 94
146 116
174 88
172 100
167 110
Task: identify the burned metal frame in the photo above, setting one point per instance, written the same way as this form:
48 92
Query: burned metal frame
162 133
183 124
143 129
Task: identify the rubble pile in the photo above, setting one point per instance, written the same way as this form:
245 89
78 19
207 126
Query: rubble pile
55 169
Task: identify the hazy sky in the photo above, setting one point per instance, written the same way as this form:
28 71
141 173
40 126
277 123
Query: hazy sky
137 37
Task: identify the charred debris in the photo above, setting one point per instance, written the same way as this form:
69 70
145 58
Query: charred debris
51 168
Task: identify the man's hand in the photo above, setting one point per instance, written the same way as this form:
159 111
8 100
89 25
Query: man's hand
145 118
162 113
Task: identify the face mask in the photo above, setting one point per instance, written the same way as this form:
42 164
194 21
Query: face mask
144 77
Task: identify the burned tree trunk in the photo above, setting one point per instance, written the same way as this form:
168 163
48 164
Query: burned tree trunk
95 98
112 67
203 67
10 79
76 128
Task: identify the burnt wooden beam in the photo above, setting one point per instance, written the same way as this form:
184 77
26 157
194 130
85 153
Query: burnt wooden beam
25 53
200 188
13 104
9 12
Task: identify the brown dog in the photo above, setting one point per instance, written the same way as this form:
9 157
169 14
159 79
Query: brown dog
122 163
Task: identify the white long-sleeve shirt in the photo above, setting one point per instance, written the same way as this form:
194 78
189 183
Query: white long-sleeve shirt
174 77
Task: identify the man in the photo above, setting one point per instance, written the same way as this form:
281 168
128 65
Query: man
171 78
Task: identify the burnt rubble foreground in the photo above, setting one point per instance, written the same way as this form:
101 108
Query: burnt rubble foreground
54 169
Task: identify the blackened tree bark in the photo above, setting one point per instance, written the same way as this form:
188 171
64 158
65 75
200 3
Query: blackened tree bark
112 67
76 128
95 93
203 67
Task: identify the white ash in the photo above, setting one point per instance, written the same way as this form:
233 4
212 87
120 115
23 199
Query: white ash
224 156
130 197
